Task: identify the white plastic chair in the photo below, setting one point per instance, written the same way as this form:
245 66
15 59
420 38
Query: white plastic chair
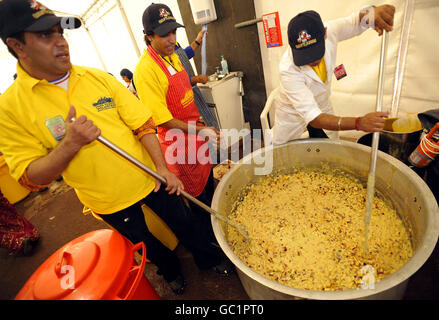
267 115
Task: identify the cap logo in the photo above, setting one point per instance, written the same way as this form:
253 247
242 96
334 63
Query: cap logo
303 36
304 39
165 15
40 9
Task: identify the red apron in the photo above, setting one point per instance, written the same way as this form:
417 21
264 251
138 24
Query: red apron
181 104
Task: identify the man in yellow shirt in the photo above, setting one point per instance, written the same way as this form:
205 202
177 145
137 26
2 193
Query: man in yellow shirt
164 87
40 141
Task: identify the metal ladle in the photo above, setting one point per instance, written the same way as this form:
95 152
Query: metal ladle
375 140
151 172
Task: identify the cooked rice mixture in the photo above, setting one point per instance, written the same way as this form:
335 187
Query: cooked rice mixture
308 231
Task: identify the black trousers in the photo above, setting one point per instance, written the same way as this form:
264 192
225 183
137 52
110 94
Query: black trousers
204 216
189 229
316 133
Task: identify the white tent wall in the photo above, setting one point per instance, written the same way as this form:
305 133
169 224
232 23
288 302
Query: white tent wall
84 53
356 94
113 42
108 31
7 66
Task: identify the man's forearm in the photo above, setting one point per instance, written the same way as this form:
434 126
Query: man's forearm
44 170
152 145
330 122
371 122
194 46
181 125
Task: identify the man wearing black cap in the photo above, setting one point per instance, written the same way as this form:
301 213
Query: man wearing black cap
164 87
305 71
40 140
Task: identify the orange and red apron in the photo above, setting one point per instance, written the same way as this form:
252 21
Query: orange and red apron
180 102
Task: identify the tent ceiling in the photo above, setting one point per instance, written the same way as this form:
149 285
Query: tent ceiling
77 7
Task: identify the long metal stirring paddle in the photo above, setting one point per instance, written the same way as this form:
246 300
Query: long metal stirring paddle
375 141
151 172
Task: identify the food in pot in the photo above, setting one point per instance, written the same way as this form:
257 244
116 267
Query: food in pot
307 229
221 169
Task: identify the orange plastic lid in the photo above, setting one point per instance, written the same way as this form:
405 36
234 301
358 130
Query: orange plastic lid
94 266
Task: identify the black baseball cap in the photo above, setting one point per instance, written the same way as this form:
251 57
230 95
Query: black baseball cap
306 36
30 15
158 18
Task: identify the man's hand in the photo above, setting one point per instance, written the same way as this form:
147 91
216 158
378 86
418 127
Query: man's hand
200 36
173 184
79 132
384 18
202 78
373 122
212 135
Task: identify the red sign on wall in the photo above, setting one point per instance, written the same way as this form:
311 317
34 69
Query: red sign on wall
273 36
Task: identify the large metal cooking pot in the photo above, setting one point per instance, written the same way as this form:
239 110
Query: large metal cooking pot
408 192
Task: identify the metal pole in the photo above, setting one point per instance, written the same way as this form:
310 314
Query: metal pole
96 49
247 23
89 8
375 141
379 101
402 56
163 180
128 26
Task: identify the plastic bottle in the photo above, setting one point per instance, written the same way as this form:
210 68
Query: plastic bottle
224 66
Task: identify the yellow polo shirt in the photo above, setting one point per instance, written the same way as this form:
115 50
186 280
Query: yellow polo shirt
104 181
152 85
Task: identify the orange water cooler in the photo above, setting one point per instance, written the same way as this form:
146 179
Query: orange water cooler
99 265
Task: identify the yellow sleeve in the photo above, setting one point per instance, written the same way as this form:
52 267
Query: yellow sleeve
152 87
133 112
19 147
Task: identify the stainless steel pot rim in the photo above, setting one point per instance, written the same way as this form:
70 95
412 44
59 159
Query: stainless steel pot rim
426 246
402 133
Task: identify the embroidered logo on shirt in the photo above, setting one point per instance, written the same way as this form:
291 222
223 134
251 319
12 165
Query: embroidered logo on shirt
104 104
